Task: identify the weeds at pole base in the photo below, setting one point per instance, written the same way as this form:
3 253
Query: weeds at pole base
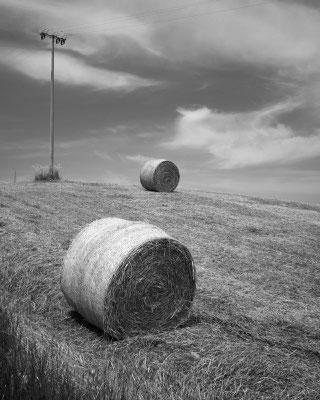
45 173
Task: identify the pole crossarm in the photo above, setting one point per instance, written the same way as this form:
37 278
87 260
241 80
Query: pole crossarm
59 38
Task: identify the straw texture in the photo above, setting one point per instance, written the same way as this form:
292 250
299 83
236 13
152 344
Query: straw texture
128 277
159 176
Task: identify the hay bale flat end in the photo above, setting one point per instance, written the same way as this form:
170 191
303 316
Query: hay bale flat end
128 277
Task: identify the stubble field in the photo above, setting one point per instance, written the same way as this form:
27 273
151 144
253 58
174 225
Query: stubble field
254 332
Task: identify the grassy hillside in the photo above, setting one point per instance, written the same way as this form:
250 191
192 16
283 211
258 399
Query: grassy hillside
254 332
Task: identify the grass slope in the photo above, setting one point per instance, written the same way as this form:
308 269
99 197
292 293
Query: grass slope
254 332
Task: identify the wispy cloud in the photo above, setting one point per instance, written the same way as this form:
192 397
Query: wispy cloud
103 155
138 158
244 139
277 34
88 25
265 35
70 71
26 145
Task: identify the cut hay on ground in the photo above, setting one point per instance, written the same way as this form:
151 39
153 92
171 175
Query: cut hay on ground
128 277
159 176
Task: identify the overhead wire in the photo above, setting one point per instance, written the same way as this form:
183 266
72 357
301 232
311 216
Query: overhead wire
142 14
27 53
122 27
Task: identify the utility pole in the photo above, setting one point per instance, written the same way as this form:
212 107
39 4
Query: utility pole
55 38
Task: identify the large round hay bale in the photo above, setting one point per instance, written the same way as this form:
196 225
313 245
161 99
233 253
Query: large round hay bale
128 277
159 176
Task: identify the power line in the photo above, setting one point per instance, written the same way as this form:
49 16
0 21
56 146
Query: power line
26 54
122 27
143 14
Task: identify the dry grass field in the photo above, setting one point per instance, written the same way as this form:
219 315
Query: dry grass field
254 332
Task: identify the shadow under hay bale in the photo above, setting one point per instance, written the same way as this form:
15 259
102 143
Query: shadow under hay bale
128 277
160 176
80 321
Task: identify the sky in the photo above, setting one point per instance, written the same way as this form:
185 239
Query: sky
229 90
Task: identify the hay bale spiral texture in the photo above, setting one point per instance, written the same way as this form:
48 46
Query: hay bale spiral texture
160 176
128 277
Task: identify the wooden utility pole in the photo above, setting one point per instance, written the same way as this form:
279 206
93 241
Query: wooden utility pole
58 39
52 111
15 177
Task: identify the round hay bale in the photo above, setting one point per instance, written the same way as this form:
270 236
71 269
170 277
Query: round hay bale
128 277
159 176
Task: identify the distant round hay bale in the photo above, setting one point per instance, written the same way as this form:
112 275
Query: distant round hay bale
160 176
128 277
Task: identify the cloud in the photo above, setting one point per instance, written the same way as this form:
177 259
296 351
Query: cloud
281 35
238 140
275 34
103 155
140 159
87 25
70 70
